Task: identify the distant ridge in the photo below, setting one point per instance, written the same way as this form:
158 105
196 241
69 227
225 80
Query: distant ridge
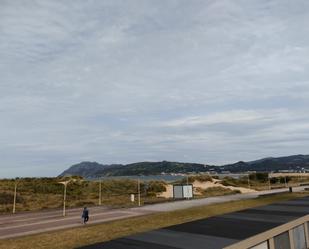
295 162
94 169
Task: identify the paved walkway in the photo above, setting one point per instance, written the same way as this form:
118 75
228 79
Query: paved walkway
37 222
170 206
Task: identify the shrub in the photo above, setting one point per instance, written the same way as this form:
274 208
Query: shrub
259 176
8 198
229 181
156 187
200 178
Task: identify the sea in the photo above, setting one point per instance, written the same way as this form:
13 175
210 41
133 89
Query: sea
166 177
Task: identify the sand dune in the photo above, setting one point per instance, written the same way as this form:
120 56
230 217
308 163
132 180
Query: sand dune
204 185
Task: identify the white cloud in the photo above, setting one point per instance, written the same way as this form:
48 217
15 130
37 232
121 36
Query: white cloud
123 81
229 117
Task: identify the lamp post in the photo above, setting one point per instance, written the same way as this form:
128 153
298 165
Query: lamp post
100 192
65 183
187 187
15 195
139 192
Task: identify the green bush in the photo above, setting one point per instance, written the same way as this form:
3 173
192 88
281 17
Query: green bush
229 181
259 176
156 187
8 198
200 178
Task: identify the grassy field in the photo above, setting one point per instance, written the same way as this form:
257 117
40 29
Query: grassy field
44 193
218 191
76 237
47 193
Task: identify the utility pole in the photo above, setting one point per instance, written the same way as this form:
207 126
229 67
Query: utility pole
285 181
15 195
249 181
269 186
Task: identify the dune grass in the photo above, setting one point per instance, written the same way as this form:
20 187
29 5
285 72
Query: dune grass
218 191
46 193
72 238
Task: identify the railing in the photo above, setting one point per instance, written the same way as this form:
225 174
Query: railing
292 235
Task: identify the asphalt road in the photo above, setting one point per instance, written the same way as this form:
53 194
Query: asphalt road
37 222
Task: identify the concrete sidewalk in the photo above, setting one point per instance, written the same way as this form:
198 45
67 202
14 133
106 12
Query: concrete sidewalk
170 206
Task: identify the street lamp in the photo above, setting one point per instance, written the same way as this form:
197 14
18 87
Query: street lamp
187 187
100 192
15 195
65 183
139 192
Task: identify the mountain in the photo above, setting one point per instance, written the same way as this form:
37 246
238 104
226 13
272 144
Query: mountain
153 168
86 169
295 162
94 169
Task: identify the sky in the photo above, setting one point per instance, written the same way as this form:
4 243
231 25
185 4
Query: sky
206 81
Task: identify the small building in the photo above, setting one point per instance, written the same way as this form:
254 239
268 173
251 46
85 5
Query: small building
182 191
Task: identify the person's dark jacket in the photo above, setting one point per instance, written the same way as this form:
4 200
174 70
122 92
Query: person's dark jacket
85 213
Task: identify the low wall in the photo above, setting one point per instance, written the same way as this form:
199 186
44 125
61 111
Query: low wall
292 235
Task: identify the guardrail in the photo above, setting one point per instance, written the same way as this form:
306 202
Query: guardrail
292 235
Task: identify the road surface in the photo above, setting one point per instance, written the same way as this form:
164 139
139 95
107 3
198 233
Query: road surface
37 222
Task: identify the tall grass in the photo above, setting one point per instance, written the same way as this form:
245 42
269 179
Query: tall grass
43 193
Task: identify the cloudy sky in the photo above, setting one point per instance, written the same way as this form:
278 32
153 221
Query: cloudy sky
209 81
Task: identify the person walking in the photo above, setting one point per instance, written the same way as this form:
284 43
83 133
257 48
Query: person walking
85 215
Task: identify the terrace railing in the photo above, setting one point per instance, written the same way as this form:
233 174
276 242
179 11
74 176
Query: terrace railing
292 235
